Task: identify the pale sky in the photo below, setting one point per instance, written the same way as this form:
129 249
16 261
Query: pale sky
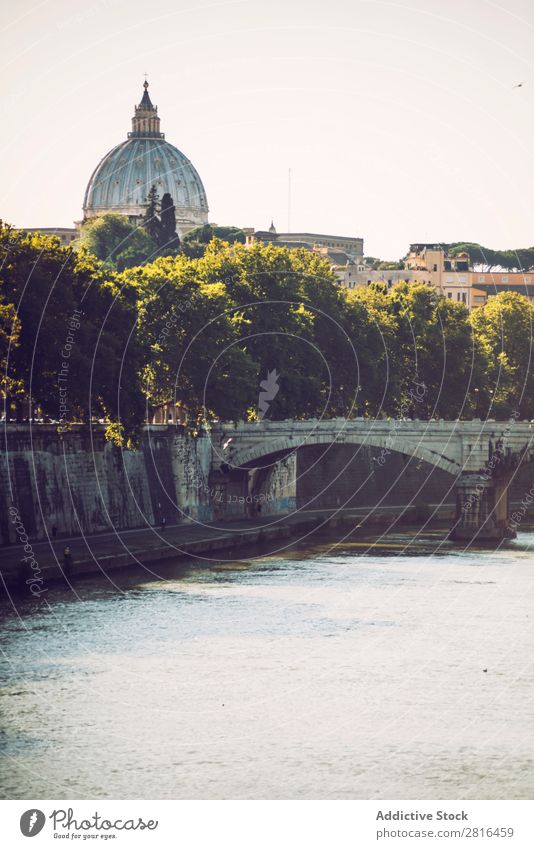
398 119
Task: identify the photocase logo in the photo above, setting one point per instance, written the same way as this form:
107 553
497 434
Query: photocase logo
270 391
32 822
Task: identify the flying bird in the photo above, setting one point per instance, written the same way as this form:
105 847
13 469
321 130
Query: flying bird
519 85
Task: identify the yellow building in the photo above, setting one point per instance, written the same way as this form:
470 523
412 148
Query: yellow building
450 275
484 284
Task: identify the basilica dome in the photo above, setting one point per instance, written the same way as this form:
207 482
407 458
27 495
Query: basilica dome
123 178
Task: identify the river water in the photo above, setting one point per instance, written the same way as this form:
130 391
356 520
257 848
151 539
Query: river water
326 671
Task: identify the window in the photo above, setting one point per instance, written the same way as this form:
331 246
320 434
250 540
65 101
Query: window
435 267
504 278
481 278
527 279
449 279
464 297
449 294
462 278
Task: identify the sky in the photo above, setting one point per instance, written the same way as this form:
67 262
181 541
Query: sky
400 121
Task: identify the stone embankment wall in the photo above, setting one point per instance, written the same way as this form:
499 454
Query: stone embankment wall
82 484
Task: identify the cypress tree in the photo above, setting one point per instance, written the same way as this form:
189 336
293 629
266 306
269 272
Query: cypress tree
168 235
151 221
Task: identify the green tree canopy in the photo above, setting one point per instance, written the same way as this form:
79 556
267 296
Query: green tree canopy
206 332
487 259
116 242
75 332
195 242
504 327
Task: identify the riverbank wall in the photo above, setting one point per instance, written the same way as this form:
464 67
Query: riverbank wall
79 483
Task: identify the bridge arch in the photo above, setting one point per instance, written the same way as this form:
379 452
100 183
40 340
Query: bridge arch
253 450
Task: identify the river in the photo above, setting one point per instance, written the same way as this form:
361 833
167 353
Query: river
329 671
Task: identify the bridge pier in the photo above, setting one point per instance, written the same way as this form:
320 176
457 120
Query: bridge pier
482 509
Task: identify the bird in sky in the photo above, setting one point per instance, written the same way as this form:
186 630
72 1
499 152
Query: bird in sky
519 85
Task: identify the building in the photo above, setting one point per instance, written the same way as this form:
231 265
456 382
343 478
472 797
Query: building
451 275
344 253
425 263
123 178
485 284
364 276
432 264
345 247
455 279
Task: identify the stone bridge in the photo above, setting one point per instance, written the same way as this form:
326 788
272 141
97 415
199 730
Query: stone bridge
482 457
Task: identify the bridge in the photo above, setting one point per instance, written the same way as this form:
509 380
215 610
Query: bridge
482 457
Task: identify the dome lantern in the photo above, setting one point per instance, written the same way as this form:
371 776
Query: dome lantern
145 122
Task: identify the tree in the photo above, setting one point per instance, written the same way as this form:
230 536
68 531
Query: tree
151 220
168 239
116 242
77 358
160 223
435 352
371 262
293 309
488 260
373 329
192 336
219 324
504 326
11 387
195 242
207 332
391 266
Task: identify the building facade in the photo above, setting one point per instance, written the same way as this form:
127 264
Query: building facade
432 264
450 275
486 284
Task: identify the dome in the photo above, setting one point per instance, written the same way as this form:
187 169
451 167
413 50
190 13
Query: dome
122 180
